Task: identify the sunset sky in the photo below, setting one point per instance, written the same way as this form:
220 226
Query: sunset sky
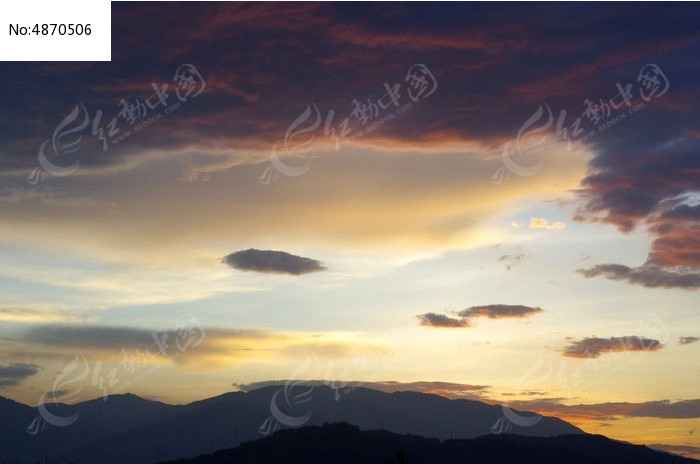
502 198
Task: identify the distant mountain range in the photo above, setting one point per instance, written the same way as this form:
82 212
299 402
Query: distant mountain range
346 444
129 429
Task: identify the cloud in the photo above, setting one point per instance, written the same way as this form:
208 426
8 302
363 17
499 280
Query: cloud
652 184
411 41
526 393
661 409
541 223
332 349
683 211
446 389
190 347
687 340
499 311
98 337
511 260
676 231
440 320
274 262
594 347
107 342
495 311
648 275
14 373
35 315
632 185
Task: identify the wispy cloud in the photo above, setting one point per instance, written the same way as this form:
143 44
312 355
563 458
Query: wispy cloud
464 317
511 260
594 347
14 373
110 337
648 275
447 389
662 409
36 315
199 348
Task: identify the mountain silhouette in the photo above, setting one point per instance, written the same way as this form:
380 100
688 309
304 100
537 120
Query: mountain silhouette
126 428
341 443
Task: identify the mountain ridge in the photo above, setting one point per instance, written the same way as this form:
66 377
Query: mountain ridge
156 431
341 443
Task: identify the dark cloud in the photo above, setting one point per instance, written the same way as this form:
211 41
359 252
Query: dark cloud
662 409
493 65
495 311
499 311
648 275
687 340
441 320
683 211
204 347
115 338
269 261
636 184
85 336
594 347
650 183
14 373
677 241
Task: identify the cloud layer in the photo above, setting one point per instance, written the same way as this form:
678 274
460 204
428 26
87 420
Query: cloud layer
648 275
662 409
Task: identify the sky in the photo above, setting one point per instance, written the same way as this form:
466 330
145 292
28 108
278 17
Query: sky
483 201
